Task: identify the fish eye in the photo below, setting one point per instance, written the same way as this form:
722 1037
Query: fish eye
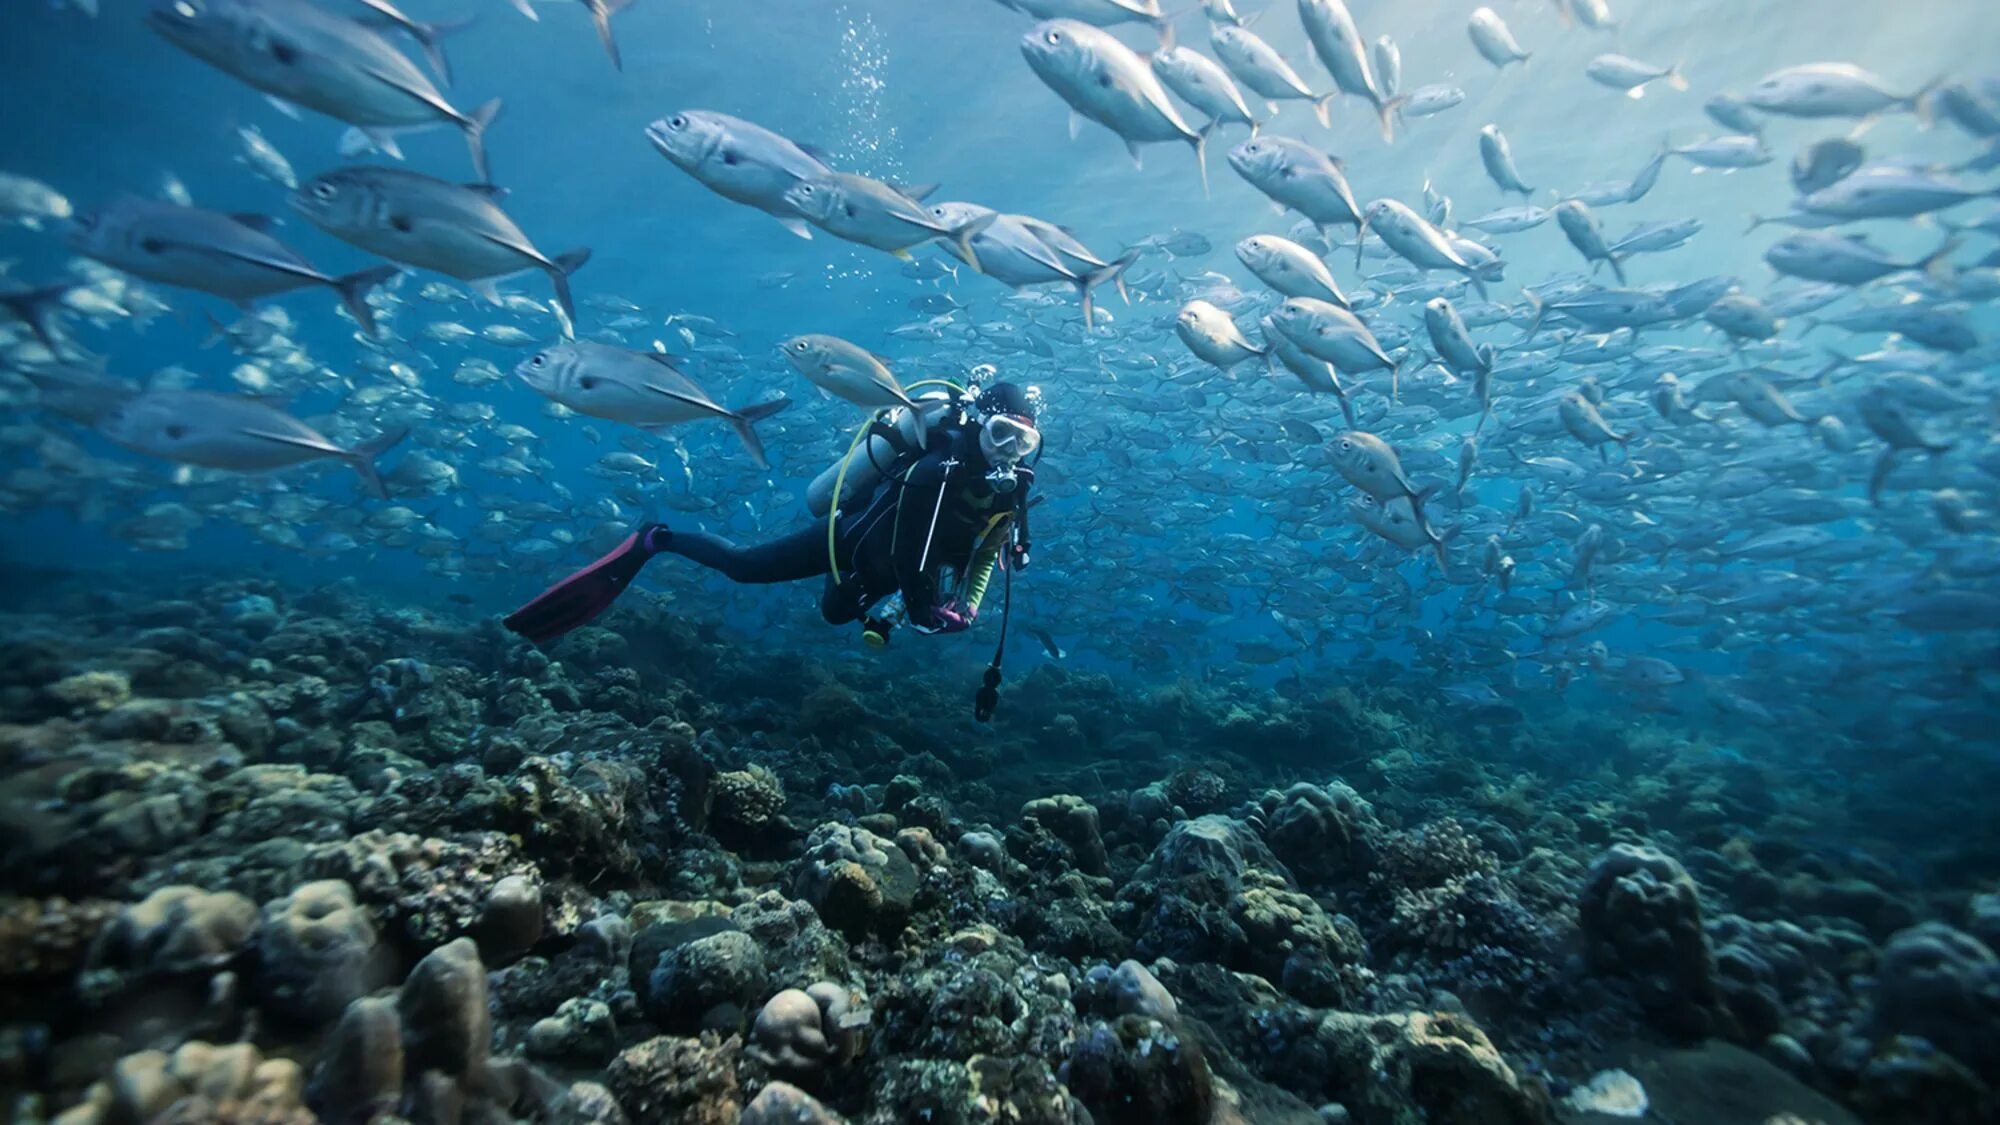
324 191
1054 37
1346 444
677 121
540 359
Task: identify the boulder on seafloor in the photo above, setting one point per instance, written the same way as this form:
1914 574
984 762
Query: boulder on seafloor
197 1082
1425 1068
708 983
582 1030
687 1081
1942 984
805 1030
1641 920
316 953
177 929
1322 833
510 921
859 883
1135 1070
1073 821
781 1103
361 1071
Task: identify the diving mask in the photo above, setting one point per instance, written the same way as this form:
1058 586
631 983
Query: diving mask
1006 439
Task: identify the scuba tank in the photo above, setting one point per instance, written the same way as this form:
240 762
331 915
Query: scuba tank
867 458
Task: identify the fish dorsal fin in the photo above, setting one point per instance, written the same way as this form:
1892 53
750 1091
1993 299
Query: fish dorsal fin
814 151
262 224
918 192
494 192
663 359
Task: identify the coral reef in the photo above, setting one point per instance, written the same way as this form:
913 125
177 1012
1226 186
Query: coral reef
276 858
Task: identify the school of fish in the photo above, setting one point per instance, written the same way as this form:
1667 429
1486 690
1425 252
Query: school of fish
1702 493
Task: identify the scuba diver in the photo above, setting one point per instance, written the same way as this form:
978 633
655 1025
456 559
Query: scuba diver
942 488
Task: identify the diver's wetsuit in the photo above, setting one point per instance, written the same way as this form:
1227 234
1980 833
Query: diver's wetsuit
932 510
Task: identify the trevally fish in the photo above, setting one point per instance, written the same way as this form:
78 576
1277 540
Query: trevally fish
739 161
245 435
302 54
456 230
638 388
1105 81
1259 66
884 216
231 256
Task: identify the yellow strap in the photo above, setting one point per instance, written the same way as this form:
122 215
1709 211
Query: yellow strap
979 566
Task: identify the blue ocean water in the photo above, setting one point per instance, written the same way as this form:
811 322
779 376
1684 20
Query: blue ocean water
1186 539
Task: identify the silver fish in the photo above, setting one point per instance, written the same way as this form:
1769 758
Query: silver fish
456 230
219 431
642 389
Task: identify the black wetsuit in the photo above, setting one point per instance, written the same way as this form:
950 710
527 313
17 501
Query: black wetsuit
933 509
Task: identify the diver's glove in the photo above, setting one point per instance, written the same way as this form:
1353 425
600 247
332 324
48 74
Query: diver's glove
952 619
947 618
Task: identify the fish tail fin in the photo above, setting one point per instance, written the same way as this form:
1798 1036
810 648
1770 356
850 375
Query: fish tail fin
475 137
962 236
363 458
527 9
1115 273
36 308
1200 143
1923 103
1879 475
1541 310
1756 221
1387 113
217 330
1438 544
1323 108
354 289
566 264
1675 78
1617 267
745 421
428 35
1937 264
601 12
1165 26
